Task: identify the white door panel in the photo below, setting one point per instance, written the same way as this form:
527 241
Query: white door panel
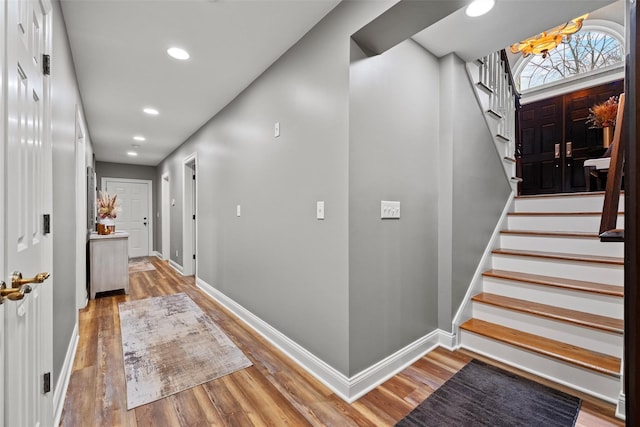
135 216
26 323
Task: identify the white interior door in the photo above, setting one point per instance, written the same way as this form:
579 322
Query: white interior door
28 249
135 217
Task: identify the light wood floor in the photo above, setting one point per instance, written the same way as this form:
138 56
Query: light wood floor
275 391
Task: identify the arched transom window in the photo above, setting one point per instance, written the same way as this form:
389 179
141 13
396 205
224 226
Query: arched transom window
586 51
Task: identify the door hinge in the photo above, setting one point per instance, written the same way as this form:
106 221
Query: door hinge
46 224
194 256
46 64
194 216
46 383
194 177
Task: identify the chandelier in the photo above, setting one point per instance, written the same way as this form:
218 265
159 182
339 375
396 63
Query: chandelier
548 40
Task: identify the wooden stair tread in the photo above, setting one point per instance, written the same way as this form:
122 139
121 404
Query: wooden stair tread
578 285
589 320
581 234
546 196
602 363
557 213
562 256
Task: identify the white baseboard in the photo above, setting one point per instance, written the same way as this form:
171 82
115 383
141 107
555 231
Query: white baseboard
347 388
621 408
157 254
62 384
177 267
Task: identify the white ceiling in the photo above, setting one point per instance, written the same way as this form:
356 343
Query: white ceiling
508 22
119 50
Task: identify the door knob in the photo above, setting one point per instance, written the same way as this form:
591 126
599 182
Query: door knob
12 293
17 280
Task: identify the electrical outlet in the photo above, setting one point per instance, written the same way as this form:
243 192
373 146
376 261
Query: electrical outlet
176 253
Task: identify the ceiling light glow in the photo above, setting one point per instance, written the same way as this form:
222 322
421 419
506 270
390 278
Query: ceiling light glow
479 7
132 153
178 53
139 138
151 111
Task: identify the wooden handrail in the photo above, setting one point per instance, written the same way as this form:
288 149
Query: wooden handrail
614 176
512 82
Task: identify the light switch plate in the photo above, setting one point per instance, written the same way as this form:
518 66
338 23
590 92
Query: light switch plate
276 129
238 210
389 210
320 209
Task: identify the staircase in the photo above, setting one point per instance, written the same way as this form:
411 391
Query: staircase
552 303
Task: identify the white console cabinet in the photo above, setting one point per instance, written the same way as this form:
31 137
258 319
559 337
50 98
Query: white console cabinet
109 262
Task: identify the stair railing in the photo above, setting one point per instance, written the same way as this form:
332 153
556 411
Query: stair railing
609 218
495 79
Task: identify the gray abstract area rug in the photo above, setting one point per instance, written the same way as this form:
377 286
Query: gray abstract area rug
484 395
136 266
170 345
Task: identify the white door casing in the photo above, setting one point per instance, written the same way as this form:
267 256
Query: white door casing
136 216
28 182
189 215
81 214
166 225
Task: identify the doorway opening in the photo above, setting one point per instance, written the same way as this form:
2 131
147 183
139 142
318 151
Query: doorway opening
189 217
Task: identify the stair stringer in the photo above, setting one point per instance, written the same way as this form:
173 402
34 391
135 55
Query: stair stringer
465 311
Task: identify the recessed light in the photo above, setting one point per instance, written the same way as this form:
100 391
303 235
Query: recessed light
151 111
132 153
139 138
178 53
479 7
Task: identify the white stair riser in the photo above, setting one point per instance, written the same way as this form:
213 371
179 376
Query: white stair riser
601 386
592 339
585 223
587 203
573 245
603 305
588 271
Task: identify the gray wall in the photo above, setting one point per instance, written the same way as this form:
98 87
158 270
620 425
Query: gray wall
127 171
351 289
277 260
393 270
480 187
65 98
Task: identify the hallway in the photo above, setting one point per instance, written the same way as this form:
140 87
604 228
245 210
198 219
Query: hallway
274 391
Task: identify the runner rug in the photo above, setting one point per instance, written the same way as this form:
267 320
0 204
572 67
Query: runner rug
138 265
170 345
484 395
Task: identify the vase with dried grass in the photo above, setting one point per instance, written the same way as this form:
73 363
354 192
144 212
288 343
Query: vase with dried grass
108 209
603 116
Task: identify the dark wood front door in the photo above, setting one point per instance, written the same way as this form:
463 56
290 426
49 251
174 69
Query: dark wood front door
555 140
